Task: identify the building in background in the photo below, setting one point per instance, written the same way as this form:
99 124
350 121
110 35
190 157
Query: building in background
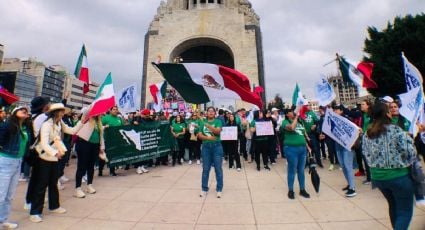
53 84
345 92
21 84
74 93
1 54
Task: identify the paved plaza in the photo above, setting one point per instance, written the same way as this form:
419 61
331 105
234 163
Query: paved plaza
168 198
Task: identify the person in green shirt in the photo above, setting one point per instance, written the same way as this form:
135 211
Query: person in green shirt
212 151
397 119
110 120
178 129
310 123
15 136
295 148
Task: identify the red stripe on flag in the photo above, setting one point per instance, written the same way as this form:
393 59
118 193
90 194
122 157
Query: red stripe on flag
101 107
366 69
84 77
239 83
154 91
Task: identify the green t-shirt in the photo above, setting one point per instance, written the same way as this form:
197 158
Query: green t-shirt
95 136
257 138
216 123
366 121
310 120
387 174
112 120
22 145
178 128
406 123
193 125
293 138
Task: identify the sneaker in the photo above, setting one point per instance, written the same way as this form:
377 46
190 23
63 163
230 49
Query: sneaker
203 194
139 170
60 186
219 194
90 189
366 182
22 178
9 225
266 167
238 169
27 206
181 161
79 193
420 203
350 193
64 179
35 218
144 169
198 162
304 194
331 167
346 188
274 162
358 173
59 210
291 195
190 162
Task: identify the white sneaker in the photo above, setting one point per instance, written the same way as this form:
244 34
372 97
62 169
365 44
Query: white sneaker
139 170
35 218
60 186
144 169
9 225
219 194
22 178
203 194
190 162
27 206
239 169
90 189
79 193
420 203
63 179
181 161
331 167
59 210
198 162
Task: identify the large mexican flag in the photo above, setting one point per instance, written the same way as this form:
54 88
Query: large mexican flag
200 83
105 98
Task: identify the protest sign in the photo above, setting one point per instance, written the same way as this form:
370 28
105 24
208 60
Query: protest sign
229 133
264 128
340 129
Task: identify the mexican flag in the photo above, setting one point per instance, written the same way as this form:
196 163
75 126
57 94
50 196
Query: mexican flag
82 69
299 101
158 93
105 98
200 83
358 73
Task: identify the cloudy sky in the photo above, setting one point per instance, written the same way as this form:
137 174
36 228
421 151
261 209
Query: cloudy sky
299 37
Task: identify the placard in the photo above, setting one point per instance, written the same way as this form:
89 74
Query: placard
229 133
264 128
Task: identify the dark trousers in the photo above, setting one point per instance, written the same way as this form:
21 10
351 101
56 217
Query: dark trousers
314 143
194 150
242 145
261 148
322 148
272 148
363 158
399 194
178 155
46 177
331 150
102 164
87 153
64 160
232 147
31 184
359 160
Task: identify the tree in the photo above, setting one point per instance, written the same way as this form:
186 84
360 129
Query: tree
277 102
384 47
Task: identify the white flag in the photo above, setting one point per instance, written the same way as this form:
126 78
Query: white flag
412 102
126 99
324 92
340 129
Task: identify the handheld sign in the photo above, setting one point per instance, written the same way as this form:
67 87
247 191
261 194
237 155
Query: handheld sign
264 128
229 133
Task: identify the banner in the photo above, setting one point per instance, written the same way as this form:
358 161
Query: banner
340 129
134 143
229 133
264 128
126 99
324 92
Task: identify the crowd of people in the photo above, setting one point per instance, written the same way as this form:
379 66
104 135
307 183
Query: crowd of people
37 144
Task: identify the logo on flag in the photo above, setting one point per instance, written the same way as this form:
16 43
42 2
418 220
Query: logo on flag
324 92
210 82
127 99
340 129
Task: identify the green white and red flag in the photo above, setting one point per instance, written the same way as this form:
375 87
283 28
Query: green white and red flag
358 73
82 69
105 99
158 93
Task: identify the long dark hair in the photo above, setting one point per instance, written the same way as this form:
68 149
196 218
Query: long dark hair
380 118
14 125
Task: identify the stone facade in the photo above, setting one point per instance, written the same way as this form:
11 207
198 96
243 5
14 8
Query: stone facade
179 25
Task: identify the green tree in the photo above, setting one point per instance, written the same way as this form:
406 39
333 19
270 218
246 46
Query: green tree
277 102
384 47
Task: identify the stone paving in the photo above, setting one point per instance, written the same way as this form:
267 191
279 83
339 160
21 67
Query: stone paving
168 198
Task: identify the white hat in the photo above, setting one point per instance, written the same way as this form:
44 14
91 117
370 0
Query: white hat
388 99
274 109
16 109
58 106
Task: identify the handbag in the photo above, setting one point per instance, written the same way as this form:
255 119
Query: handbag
418 176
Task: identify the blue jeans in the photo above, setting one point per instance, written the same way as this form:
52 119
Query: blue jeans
9 175
212 153
345 159
399 194
296 157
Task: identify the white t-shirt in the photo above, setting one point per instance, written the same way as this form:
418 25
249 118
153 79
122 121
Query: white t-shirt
36 124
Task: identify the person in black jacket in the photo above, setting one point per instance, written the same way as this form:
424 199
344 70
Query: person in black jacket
271 140
232 145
